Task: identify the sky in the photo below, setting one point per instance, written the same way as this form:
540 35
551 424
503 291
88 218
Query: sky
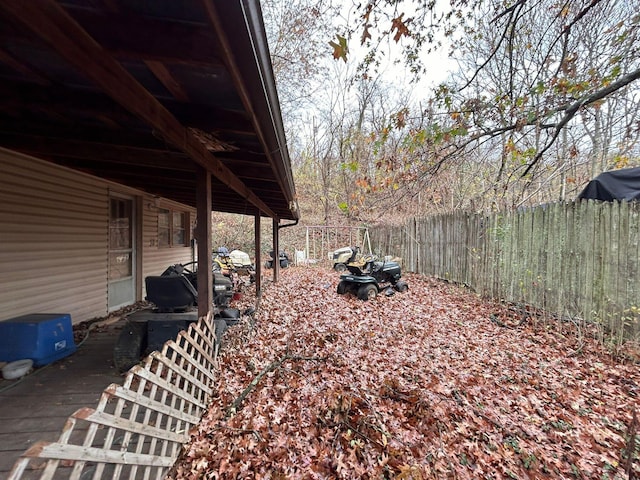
438 64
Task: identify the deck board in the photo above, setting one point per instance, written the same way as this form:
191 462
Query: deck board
37 407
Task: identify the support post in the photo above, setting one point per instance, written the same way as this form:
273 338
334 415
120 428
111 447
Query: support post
258 241
276 250
203 238
307 254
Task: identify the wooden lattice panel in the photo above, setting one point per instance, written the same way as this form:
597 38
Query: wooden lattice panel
137 429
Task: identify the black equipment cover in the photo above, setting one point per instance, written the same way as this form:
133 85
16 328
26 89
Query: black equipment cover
614 185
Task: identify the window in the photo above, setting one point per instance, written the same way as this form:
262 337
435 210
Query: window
178 229
172 228
120 238
163 228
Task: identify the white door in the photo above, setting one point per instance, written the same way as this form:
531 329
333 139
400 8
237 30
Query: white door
122 285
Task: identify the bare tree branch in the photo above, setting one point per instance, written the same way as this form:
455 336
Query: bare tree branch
580 15
509 11
571 109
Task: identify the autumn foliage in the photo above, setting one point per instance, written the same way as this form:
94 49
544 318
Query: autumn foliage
434 383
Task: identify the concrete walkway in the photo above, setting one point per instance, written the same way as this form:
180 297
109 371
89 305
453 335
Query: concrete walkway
36 407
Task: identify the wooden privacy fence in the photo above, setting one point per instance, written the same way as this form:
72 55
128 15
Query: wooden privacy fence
137 429
578 260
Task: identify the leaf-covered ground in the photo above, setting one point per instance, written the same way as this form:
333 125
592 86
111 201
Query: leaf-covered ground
434 383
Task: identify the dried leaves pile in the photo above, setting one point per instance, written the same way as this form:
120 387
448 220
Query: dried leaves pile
434 383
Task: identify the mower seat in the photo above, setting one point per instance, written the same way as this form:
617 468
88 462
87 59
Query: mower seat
354 254
171 293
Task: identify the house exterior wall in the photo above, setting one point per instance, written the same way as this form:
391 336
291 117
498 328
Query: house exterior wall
157 259
54 227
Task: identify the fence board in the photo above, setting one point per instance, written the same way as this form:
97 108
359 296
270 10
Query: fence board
61 451
578 260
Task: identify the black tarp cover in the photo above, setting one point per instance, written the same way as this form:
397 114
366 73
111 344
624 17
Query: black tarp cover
621 184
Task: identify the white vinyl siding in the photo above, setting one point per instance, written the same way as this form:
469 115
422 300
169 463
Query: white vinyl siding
158 258
52 240
54 227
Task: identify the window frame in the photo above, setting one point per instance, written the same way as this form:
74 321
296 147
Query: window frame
167 233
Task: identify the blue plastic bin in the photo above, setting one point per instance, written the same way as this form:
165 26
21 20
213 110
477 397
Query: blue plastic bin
42 337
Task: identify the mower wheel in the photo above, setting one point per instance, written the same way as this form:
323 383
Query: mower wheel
343 287
402 286
367 292
340 267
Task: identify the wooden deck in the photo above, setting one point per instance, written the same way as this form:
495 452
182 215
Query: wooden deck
36 407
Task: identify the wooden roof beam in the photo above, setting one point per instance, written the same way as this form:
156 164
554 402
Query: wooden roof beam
161 40
204 117
101 152
163 74
52 23
10 61
274 145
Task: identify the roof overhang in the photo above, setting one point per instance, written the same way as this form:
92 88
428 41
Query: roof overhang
142 92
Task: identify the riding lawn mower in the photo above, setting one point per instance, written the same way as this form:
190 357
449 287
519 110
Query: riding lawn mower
368 276
174 295
283 259
234 262
343 256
